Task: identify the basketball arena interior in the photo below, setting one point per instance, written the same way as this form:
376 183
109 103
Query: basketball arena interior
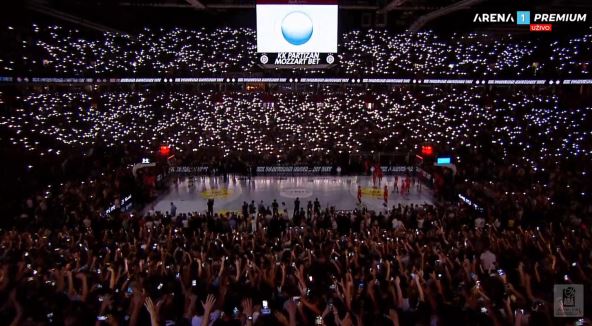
309 162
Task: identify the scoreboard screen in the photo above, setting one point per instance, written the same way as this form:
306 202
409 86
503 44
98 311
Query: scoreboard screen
296 33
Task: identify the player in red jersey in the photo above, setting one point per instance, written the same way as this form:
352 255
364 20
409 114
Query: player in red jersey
359 194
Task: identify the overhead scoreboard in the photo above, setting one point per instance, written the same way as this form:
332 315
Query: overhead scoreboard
300 33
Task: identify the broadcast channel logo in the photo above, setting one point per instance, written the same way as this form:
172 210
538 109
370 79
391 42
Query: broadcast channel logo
569 300
536 21
297 28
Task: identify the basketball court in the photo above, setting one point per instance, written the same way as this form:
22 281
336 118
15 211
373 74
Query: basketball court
190 194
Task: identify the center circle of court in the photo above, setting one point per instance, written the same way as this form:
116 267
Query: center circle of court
221 193
372 192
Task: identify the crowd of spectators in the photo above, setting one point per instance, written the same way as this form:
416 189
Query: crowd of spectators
64 261
61 51
428 265
289 125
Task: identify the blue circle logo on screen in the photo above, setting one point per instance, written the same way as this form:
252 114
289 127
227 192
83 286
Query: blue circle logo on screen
297 28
